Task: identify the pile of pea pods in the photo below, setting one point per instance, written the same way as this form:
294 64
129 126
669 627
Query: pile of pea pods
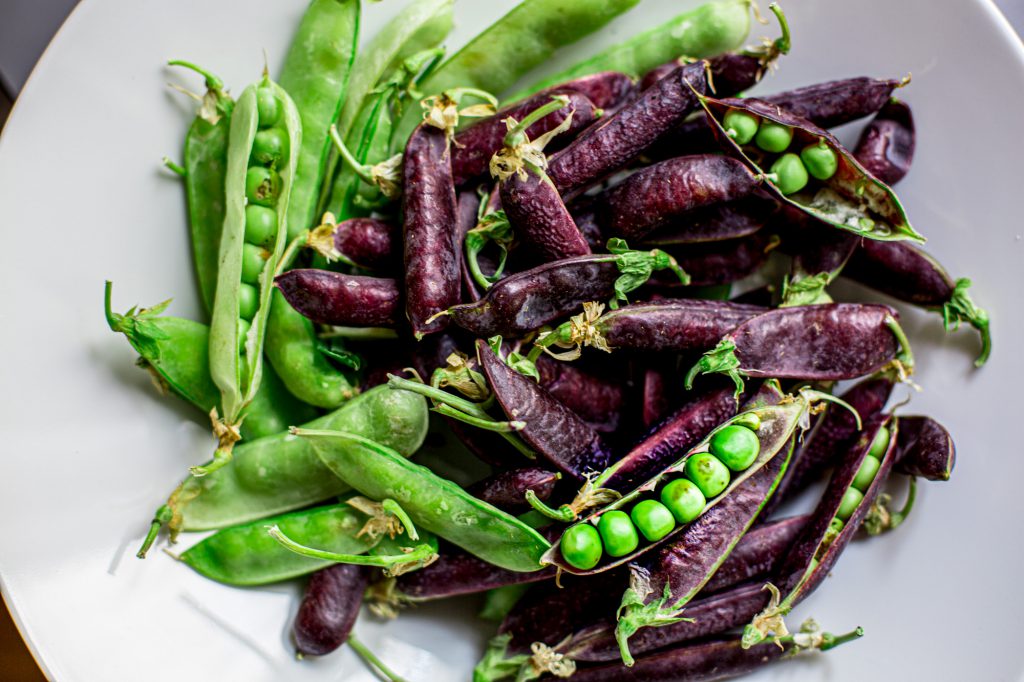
578 285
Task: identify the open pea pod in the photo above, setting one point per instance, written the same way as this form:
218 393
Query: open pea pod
263 112
434 503
850 198
775 426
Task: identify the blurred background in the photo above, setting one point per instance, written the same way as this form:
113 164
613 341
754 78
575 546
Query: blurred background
26 28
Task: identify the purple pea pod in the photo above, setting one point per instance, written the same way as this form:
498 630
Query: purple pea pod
328 297
659 194
329 608
607 148
909 274
758 553
924 448
848 499
476 144
850 198
468 210
362 242
608 90
665 325
831 435
526 301
554 431
506 490
818 258
655 392
456 573
600 401
730 220
817 343
721 262
886 145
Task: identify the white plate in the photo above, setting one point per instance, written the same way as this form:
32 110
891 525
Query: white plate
89 450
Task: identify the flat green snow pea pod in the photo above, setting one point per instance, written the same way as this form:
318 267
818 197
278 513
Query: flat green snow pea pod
236 367
435 503
205 163
282 472
710 29
176 353
524 38
248 555
316 75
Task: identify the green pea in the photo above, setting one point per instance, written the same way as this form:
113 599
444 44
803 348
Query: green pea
268 107
617 533
270 146
735 446
653 519
821 162
866 473
880 444
750 420
262 185
684 499
741 126
773 137
851 500
248 301
581 546
790 173
837 524
708 473
243 331
253 259
260 224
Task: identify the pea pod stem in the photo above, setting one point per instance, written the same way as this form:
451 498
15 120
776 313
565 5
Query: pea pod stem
175 168
372 660
880 520
162 517
418 554
485 424
212 82
564 514
517 134
396 510
962 308
386 175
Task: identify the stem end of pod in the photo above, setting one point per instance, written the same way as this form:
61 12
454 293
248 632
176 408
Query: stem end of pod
961 308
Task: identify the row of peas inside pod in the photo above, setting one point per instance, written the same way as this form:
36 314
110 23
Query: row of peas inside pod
705 475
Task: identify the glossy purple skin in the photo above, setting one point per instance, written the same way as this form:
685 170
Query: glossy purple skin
656 391
673 324
730 220
455 572
347 300
821 342
902 271
475 145
731 73
369 243
655 196
429 210
506 490
703 662
600 401
557 433
720 262
831 435
528 300
758 553
536 213
886 145
606 89
924 448
806 547
329 608
679 432
622 137
814 250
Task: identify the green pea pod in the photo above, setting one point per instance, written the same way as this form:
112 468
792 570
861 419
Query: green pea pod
282 472
316 74
524 38
205 163
248 555
176 352
850 199
236 369
710 29
435 503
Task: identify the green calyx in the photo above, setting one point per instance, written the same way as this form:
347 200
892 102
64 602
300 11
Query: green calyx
385 176
719 360
905 356
961 308
519 154
136 324
581 330
443 112
808 290
770 50
635 612
523 364
496 664
880 519
216 103
458 373
637 267
162 517
770 622
493 227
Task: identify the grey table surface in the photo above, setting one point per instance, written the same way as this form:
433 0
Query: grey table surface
26 27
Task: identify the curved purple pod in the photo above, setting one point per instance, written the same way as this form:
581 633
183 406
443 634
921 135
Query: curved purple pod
528 300
537 214
506 490
924 448
455 573
731 73
720 262
554 431
476 144
655 391
658 194
731 220
364 242
622 137
600 401
673 324
328 297
886 145
329 608
759 552
608 90
429 211
818 258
